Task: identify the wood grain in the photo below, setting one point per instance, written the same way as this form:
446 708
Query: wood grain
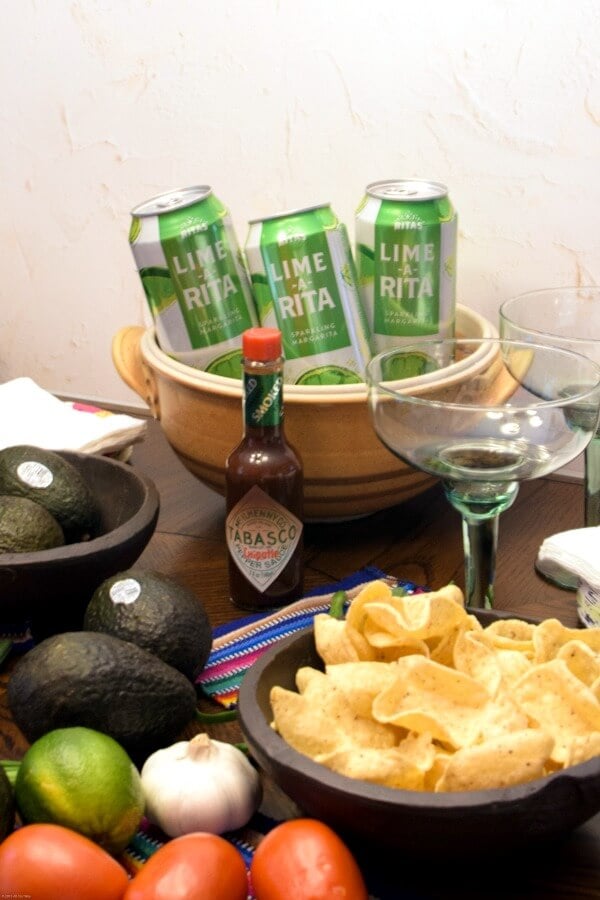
418 541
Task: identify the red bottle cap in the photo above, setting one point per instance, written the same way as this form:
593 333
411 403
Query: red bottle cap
261 344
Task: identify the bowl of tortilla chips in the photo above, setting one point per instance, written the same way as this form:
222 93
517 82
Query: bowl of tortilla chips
417 724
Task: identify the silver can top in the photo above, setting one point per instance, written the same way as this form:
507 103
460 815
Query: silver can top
288 213
177 199
407 189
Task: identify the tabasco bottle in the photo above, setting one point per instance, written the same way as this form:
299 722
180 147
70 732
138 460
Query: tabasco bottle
264 487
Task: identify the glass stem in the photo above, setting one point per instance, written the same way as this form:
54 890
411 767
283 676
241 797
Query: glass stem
592 483
480 539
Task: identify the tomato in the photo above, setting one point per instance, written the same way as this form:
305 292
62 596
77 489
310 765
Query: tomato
196 866
51 862
303 859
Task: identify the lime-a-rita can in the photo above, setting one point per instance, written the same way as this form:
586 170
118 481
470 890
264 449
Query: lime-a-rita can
194 278
405 251
305 284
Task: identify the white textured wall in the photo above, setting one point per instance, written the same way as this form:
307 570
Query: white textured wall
280 104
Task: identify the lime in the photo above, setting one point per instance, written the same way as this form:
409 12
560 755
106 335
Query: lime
84 780
229 365
329 375
26 526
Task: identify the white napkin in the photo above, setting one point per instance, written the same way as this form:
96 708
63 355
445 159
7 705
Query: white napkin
31 415
574 553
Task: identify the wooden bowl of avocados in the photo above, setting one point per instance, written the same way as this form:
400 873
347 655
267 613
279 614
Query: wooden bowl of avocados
49 589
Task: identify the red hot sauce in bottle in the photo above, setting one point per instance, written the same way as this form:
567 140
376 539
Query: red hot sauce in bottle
264 487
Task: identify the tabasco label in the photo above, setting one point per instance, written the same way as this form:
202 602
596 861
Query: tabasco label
261 536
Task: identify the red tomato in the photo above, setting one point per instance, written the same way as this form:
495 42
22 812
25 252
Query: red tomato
50 862
197 866
303 859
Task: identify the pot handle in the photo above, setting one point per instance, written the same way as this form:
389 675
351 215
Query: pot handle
129 363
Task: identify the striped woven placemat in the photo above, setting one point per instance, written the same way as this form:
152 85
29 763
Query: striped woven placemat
240 643
235 647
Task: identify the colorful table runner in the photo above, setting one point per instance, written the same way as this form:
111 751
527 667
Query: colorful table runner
235 647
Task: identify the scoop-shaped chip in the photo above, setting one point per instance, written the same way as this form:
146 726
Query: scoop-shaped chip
473 656
582 661
583 748
441 649
559 703
513 665
506 760
428 697
305 727
511 634
412 618
332 641
321 719
387 767
361 682
550 635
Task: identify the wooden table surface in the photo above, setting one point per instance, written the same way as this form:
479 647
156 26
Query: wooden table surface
419 541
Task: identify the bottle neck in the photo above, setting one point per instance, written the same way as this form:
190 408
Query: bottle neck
263 397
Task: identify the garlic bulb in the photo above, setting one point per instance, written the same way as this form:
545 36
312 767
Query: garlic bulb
200 785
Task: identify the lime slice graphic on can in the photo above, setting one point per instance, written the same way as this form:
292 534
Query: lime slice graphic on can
158 288
407 365
228 365
365 264
347 274
329 375
134 230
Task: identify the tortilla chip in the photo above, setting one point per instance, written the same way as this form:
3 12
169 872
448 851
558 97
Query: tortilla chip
581 660
550 635
504 761
387 767
428 697
559 703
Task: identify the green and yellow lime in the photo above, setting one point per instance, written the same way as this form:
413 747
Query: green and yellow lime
84 780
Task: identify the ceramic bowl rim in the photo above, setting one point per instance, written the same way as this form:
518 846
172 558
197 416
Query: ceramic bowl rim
189 377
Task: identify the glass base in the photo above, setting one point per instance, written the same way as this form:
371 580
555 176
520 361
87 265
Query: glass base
560 578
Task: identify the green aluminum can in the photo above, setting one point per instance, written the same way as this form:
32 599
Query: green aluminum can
194 278
405 252
305 284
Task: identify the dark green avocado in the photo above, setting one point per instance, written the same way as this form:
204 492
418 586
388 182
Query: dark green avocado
156 613
50 480
99 681
26 527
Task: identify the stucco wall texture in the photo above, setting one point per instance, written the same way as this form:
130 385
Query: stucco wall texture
278 105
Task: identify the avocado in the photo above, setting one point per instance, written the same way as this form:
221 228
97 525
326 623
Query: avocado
156 613
50 480
25 526
99 681
7 805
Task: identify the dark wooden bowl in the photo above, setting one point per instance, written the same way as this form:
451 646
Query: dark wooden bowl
52 588
423 824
